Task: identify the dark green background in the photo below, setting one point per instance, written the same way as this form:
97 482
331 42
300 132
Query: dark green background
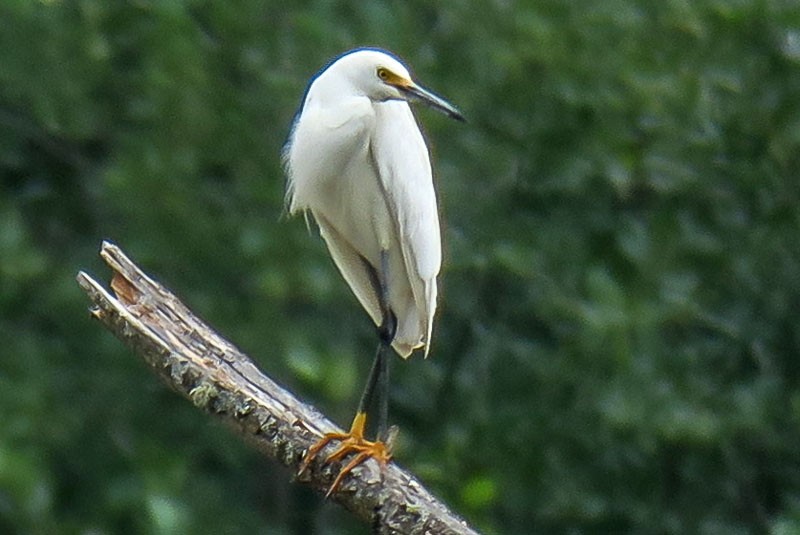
617 347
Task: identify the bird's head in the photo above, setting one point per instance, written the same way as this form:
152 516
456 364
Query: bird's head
380 76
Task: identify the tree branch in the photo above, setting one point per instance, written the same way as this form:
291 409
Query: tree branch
220 379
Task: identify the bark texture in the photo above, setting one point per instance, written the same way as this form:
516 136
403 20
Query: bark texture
218 378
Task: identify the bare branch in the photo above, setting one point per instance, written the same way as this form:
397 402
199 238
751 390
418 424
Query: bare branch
220 379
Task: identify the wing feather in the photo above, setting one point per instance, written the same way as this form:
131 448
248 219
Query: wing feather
403 166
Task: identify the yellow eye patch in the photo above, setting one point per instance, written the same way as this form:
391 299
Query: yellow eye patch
391 78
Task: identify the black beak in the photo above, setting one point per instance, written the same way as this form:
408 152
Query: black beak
415 92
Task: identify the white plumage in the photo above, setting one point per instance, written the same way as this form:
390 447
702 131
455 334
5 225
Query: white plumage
358 163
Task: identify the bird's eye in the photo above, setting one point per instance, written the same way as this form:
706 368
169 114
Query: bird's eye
383 74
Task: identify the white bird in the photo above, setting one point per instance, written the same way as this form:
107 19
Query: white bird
357 162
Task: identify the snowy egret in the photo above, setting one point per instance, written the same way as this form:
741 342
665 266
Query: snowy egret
356 161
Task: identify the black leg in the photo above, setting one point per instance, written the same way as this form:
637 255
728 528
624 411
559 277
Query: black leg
383 394
379 373
388 326
386 332
354 441
372 381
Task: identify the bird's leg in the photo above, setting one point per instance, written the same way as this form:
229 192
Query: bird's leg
379 373
386 334
354 441
383 395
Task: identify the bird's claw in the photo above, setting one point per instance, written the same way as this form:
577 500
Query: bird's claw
350 443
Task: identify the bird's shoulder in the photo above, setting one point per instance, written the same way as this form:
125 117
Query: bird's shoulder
352 111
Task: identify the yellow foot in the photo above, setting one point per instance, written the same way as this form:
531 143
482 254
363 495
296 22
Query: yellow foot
351 442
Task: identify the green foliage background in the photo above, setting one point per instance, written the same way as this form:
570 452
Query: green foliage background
618 342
